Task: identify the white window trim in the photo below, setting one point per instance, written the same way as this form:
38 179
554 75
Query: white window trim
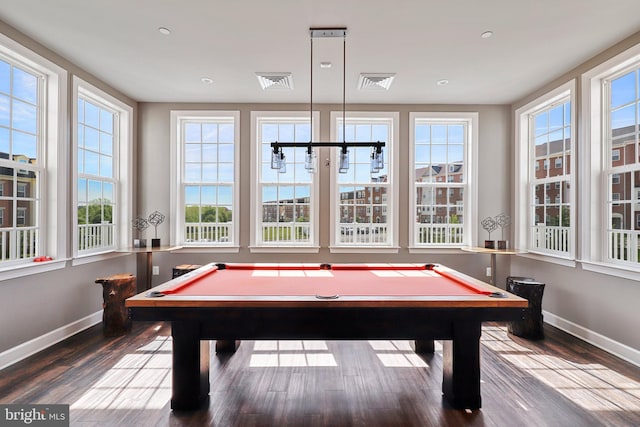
54 192
392 156
593 206
524 155
175 192
470 197
122 154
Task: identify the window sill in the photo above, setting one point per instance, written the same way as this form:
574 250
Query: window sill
363 250
22 270
567 262
285 249
102 256
207 249
436 250
611 270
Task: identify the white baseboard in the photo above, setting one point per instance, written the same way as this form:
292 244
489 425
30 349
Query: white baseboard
616 348
22 351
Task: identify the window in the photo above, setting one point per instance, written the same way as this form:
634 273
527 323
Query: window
615 155
364 208
558 163
206 149
31 126
441 155
622 138
544 131
102 138
285 206
97 167
612 165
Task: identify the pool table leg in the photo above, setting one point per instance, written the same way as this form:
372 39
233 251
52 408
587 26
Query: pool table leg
227 346
425 346
190 377
461 366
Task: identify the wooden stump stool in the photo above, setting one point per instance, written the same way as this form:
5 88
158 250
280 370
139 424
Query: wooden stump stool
115 290
532 325
181 269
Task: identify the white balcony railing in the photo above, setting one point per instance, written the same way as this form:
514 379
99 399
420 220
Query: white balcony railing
95 236
19 243
208 233
286 232
624 245
439 234
553 239
363 234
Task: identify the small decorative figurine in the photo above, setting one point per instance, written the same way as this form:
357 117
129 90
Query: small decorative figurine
155 219
140 224
503 221
490 225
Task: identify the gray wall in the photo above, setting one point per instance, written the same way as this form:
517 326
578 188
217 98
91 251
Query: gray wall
585 302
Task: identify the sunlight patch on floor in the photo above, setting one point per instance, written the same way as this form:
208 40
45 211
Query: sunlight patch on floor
291 353
141 380
397 354
592 386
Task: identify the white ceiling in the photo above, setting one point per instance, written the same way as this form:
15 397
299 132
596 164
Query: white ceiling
422 41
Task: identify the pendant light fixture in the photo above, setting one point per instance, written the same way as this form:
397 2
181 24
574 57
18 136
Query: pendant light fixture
278 160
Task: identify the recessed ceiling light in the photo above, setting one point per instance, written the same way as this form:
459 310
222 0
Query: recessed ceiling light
442 82
486 34
325 64
206 80
164 31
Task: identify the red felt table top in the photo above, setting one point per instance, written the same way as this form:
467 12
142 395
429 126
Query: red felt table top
323 280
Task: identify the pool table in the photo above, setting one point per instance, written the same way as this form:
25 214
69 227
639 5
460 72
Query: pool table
232 302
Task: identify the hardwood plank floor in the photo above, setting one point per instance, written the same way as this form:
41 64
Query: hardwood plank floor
126 381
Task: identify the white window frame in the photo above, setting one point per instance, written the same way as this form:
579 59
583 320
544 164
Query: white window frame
176 236
469 191
123 171
524 157
256 244
391 154
53 152
594 162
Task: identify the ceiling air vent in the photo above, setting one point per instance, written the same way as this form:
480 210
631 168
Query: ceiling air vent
275 81
375 81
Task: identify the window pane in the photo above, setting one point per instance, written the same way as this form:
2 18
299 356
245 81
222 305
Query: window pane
91 139
4 110
209 132
192 152
91 115
24 144
106 121
25 85
91 163
192 132
106 166
623 89
106 144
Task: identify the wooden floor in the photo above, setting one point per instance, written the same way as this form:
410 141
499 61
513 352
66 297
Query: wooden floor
125 381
